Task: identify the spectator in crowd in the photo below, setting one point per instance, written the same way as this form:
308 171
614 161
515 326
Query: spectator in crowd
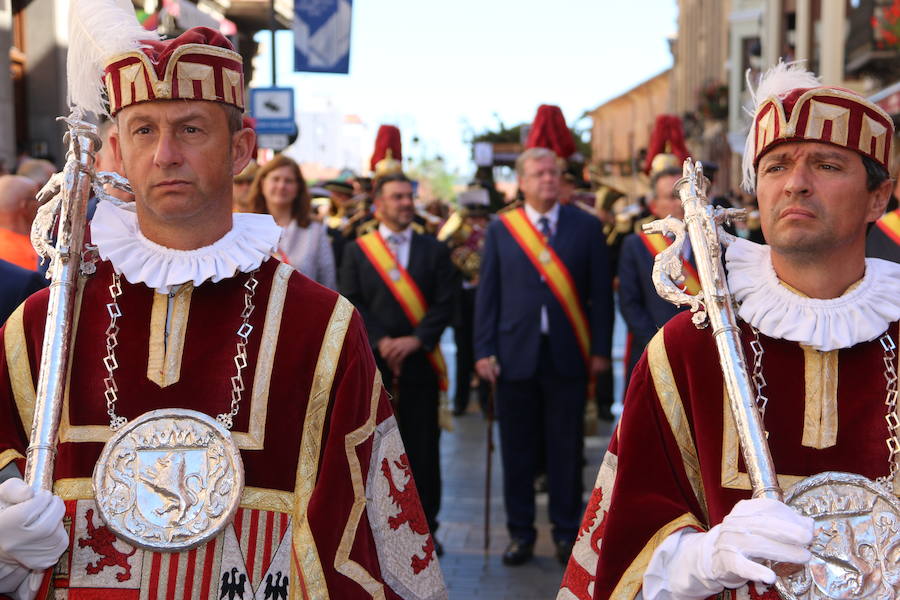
403 284
38 170
17 284
18 208
642 308
278 189
240 187
542 329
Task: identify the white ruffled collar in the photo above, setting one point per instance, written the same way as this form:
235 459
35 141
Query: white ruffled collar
860 315
114 229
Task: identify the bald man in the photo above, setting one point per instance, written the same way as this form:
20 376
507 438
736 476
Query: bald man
17 210
39 170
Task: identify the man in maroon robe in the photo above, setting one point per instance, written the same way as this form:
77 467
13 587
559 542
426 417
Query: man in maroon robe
670 515
329 507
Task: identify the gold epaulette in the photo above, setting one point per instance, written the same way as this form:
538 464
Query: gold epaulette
367 226
511 206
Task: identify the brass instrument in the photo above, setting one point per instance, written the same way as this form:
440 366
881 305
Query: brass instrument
465 239
67 208
857 521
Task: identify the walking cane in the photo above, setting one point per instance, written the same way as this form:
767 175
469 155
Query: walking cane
489 413
395 394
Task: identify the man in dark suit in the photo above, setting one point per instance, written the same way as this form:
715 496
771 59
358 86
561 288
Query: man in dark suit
642 309
18 284
530 341
405 352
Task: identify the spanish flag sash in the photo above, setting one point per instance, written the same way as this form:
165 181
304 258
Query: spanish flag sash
890 225
656 243
404 290
553 271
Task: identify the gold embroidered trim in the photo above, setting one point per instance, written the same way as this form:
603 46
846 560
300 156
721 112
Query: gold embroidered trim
165 356
81 488
633 578
342 562
81 433
732 477
310 448
263 499
255 438
670 401
19 366
74 488
7 456
820 417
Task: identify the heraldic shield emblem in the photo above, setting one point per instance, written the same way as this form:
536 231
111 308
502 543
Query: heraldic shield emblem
856 539
169 481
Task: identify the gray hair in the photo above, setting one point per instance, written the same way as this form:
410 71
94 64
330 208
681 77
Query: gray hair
532 154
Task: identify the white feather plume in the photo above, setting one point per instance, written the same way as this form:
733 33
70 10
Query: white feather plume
776 82
98 30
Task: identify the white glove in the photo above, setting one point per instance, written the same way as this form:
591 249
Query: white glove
31 530
697 565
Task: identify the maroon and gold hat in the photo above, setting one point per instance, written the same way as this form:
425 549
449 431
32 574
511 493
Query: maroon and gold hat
824 114
200 64
549 130
388 155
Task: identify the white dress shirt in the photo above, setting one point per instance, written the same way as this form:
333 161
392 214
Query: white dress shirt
400 248
552 216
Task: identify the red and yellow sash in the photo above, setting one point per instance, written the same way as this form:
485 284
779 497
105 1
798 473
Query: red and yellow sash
890 225
404 290
656 243
554 272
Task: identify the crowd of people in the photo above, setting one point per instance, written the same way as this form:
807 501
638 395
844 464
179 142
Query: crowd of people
340 291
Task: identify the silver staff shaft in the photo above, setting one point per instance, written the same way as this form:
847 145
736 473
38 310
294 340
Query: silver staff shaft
701 223
66 260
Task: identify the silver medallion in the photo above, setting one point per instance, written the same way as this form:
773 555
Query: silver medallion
544 256
169 480
394 274
856 539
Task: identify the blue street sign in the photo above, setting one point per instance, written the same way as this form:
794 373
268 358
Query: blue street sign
273 109
322 35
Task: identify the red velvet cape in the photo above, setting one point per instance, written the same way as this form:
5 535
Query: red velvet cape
674 461
343 521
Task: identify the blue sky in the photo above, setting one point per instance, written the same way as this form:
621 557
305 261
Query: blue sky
443 70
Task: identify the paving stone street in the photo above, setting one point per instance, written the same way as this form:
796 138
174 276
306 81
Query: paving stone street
468 570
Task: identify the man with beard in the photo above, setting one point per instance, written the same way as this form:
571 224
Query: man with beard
403 284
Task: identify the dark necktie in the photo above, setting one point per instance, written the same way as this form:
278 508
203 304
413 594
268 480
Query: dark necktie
544 224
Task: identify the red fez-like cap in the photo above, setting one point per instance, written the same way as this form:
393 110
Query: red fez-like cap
387 146
667 131
200 64
549 130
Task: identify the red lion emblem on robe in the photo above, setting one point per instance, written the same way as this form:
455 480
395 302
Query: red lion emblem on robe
577 579
410 511
100 540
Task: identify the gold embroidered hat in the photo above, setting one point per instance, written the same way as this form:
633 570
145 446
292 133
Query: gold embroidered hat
200 64
789 109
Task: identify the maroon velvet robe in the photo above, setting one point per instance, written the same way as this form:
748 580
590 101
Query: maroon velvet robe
329 507
674 460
